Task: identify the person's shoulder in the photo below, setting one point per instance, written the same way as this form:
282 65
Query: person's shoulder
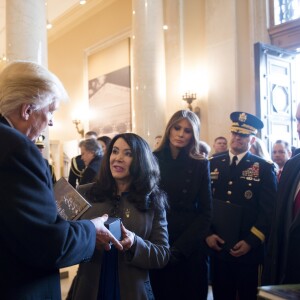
77 160
219 156
198 159
293 161
78 157
296 152
260 160
14 139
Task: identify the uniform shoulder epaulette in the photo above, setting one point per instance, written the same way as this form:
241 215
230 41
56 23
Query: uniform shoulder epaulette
75 169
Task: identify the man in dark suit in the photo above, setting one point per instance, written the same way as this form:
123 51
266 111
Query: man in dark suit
247 183
284 246
35 240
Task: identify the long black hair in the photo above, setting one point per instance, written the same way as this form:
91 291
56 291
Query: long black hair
144 171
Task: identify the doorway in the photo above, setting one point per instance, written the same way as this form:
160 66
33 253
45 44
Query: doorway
276 94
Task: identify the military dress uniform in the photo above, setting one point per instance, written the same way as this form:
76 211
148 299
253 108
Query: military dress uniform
41 145
76 170
252 187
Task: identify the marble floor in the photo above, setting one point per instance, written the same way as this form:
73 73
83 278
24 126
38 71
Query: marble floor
71 272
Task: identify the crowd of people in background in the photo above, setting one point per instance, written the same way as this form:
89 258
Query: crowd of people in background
189 218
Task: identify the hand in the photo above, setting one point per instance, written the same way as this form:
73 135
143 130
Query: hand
240 248
127 238
214 241
103 235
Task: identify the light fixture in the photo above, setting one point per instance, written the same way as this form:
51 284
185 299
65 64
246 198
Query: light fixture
82 2
3 58
49 25
189 98
80 131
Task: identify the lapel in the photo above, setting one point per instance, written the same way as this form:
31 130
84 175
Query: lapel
294 222
4 121
224 166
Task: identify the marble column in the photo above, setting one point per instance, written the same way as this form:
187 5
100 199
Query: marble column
26 36
148 69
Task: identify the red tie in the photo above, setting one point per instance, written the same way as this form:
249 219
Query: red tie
279 175
296 205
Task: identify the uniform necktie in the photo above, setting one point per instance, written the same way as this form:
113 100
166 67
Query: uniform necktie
296 207
233 163
232 167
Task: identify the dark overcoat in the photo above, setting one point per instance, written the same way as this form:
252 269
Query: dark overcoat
284 247
187 183
35 241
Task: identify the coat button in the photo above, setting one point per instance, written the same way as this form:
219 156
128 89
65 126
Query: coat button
230 182
229 192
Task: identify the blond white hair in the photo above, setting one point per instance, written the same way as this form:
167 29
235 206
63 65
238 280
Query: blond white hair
24 82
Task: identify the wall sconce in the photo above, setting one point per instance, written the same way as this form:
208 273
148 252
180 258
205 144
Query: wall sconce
189 98
48 25
80 131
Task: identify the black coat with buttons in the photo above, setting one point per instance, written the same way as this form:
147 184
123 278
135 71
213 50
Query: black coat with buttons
187 184
253 187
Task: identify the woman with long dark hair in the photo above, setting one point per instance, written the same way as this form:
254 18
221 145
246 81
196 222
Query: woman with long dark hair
185 177
127 188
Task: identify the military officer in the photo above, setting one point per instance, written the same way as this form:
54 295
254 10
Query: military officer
41 146
247 182
77 165
76 170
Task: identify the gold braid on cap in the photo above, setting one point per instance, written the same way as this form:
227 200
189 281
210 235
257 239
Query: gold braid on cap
243 129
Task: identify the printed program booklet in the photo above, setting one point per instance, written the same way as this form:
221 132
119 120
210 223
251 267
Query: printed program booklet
70 204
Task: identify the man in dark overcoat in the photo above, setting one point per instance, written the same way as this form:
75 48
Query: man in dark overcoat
284 246
35 240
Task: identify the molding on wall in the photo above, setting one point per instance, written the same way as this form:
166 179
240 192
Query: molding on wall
286 35
107 42
75 16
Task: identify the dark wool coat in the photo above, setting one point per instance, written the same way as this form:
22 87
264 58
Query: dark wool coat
187 184
283 264
35 241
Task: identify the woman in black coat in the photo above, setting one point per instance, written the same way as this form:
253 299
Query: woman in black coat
185 177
